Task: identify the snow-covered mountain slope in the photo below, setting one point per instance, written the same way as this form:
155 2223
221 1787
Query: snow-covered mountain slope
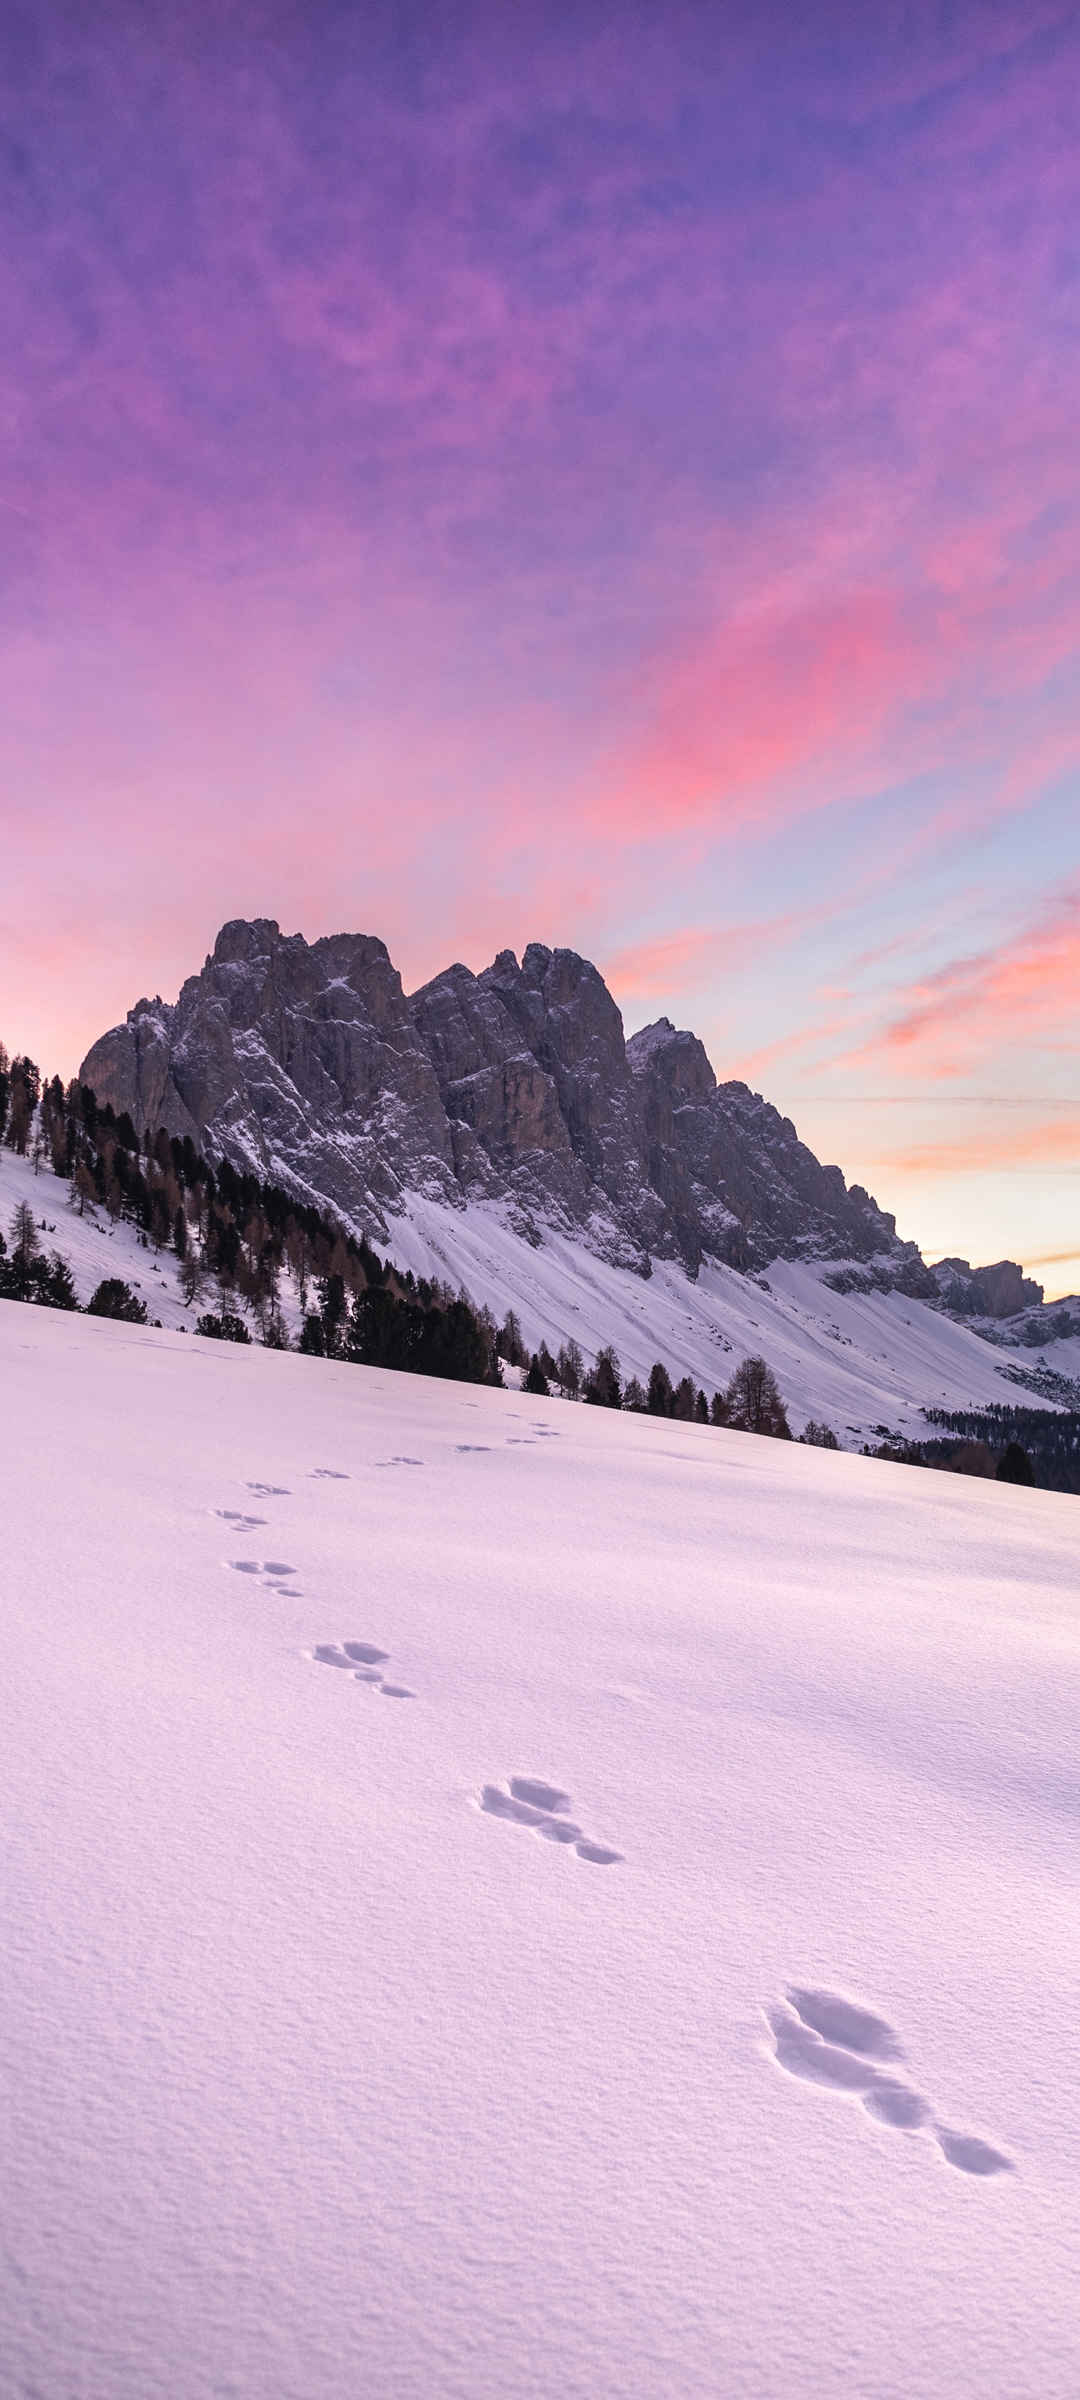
321 2078
94 1246
860 1360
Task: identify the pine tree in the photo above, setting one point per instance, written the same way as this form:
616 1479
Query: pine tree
85 1186
754 1400
661 1398
1014 1465
536 1381
192 1277
59 1288
719 1412
701 1410
511 1342
115 1298
569 1369
24 1234
683 1400
603 1388
227 1327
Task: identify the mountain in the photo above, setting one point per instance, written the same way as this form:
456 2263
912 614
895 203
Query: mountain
308 1063
498 1132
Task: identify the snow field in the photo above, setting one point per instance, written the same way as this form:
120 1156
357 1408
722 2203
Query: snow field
858 1360
328 2072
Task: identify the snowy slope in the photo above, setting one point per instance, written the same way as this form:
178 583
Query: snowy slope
93 1246
860 1360
322 2080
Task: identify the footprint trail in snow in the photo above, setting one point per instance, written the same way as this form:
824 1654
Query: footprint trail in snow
823 2038
540 1806
363 1661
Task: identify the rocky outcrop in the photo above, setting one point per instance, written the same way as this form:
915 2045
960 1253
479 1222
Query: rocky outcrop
998 1291
307 1064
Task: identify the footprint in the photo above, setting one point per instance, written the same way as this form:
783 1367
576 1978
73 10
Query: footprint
840 2021
269 1491
893 2104
538 1795
964 2150
823 2038
801 2052
274 1569
476 1447
329 1475
529 1801
497 1803
399 1462
362 1660
235 1516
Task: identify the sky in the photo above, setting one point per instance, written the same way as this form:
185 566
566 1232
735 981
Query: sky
605 476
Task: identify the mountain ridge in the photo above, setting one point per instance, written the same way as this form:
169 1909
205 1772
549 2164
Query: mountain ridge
516 1085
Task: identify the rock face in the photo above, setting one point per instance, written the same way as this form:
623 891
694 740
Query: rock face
307 1064
998 1291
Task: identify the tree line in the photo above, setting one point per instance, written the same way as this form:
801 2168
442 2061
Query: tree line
1004 1443
750 1403
234 1238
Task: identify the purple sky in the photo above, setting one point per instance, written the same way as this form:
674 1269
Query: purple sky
599 476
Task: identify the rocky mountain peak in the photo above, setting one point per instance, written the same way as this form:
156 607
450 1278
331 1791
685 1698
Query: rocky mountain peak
678 1059
308 1063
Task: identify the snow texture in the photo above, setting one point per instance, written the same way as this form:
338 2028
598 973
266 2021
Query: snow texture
670 1995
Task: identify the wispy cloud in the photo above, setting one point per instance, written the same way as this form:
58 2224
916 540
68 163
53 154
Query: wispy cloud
1050 1144
1022 992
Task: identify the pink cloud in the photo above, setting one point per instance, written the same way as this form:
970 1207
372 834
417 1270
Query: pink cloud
1023 992
1045 1144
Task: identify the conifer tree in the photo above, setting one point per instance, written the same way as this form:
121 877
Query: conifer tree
603 1388
24 1234
1014 1465
511 1342
660 1397
754 1400
569 1369
115 1298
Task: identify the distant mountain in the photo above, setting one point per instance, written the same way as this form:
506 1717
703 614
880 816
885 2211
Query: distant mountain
498 1132
308 1063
